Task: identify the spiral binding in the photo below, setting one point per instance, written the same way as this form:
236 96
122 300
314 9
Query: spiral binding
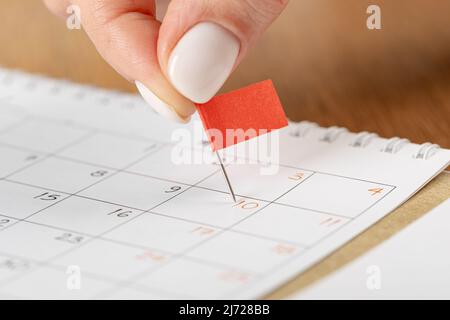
394 144
296 129
426 150
301 129
362 139
332 133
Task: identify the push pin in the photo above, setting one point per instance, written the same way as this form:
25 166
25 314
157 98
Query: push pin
226 176
255 109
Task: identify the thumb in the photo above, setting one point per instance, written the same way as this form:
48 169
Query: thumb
125 33
202 41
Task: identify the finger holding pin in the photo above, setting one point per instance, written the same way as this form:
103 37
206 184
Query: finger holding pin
254 110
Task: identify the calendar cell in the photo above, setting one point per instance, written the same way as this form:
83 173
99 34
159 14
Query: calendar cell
10 267
166 234
37 242
109 259
43 136
62 175
84 215
15 159
192 280
20 201
245 177
324 193
109 150
6 222
246 252
48 283
209 207
134 190
165 165
8 120
291 224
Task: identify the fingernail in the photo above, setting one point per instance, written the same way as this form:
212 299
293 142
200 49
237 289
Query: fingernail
202 61
158 105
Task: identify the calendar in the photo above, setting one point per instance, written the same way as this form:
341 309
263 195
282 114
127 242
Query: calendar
92 207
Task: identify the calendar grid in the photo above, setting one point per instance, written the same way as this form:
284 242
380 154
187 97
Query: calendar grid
184 184
91 237
124 243
56 202
75 194
178 218
149 211
14 125
131 281
184 254
296 256
171 217
143 212
180 183
91 275
134 280
49 155
187 184
119 225
196 185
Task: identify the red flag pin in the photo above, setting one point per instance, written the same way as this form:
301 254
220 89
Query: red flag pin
255 110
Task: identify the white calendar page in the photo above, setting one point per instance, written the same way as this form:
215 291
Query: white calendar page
91 205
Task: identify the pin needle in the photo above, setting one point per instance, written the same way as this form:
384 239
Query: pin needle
226 176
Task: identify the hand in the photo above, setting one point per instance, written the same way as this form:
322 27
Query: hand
186 58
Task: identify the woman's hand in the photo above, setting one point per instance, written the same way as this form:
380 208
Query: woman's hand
186 58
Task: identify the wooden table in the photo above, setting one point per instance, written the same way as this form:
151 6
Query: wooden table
328 68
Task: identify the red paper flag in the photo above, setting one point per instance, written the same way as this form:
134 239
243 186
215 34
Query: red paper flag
242 114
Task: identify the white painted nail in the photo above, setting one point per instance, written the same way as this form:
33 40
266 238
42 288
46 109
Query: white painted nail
202 61
158 105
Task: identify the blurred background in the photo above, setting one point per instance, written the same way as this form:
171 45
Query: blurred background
327 66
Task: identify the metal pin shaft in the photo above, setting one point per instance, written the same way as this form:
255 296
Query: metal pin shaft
226 176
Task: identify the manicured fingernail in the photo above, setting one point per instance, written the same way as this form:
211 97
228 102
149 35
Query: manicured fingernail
202 61
158 105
